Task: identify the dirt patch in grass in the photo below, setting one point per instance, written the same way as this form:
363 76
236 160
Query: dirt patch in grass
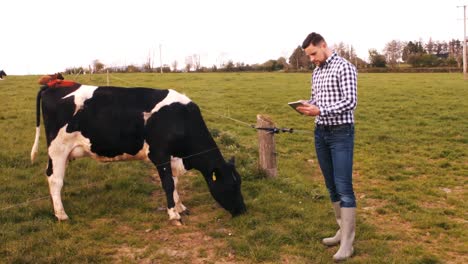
201 238
194 246
189 243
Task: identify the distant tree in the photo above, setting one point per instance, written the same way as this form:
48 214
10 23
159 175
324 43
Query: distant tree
188 63
359 63
281 63
245 67
299 60
196 62
74 70
165 68
117 69
275 65
430 46
392 52
423 60
295 58
98 66
221 60
204 69
346 51
412 48
376 59
269 65
341 50
441 49
352 57
455 50
256 67
174 66
147 67
132 68
229 66
240 66
452 62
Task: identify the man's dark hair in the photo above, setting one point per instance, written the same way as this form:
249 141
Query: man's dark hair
313 38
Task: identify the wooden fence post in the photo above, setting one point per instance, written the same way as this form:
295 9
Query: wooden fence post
266 146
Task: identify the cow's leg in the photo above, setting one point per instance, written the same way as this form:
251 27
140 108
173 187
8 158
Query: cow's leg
163 166
178 170
55 174
58 150
180 208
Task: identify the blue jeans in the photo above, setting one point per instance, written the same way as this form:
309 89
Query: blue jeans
334 146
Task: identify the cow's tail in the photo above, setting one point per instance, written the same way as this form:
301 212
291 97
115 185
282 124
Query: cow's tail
35 147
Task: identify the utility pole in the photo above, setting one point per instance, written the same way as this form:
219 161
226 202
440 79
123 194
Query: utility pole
160 58
464 42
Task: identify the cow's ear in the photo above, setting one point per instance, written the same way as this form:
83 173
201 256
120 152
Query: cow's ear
232 160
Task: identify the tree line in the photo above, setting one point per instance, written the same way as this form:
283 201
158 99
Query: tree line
420 54
416 54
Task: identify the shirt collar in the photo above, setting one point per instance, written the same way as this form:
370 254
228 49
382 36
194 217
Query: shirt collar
329 59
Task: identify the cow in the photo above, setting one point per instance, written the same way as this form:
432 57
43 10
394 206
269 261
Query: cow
2 74
109 124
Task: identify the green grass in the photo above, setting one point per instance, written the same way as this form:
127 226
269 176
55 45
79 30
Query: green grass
410 174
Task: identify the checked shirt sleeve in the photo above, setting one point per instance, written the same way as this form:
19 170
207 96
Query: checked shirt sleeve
346 97
312 97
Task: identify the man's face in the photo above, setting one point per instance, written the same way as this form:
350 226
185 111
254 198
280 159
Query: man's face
317 53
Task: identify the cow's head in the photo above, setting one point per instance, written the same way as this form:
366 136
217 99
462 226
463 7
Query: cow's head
225 186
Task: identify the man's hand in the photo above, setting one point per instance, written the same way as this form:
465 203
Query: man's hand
308 109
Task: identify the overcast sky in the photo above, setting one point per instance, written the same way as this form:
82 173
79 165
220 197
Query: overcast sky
39 37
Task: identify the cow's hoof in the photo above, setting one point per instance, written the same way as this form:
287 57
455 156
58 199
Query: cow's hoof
175 222
62 217
180 208
185 212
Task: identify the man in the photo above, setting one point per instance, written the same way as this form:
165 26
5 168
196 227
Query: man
333 100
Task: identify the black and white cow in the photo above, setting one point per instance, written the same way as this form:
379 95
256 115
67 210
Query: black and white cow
114 124
2 74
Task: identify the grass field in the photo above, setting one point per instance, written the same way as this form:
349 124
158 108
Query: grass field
410 175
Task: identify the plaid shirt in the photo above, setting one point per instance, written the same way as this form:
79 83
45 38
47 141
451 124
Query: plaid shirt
334 91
